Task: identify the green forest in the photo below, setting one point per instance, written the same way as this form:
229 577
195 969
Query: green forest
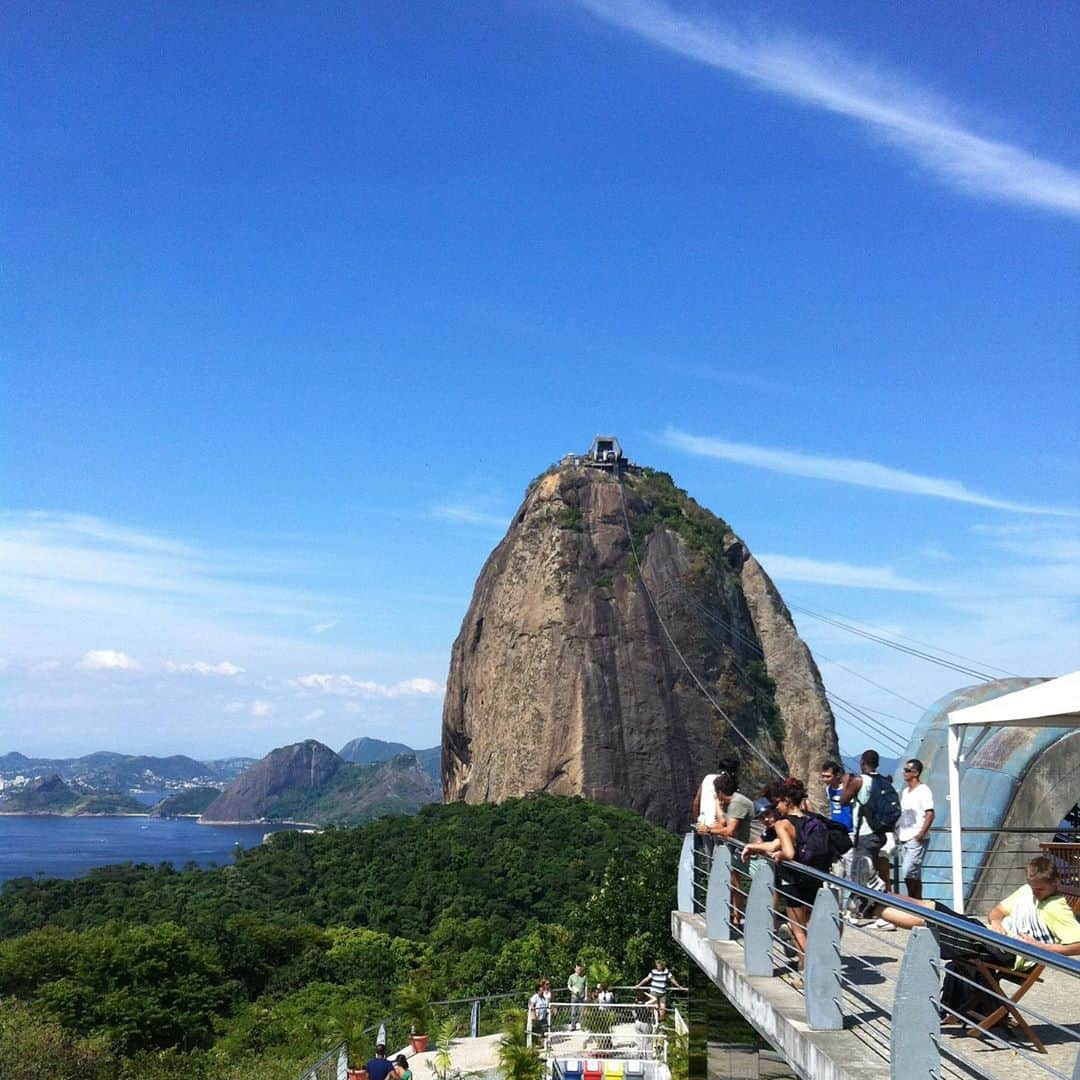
254 969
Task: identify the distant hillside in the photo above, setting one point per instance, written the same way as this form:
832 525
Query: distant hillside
365 751
191 802
106 771
51 795
309 782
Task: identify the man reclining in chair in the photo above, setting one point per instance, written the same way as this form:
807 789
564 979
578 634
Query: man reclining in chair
1036 913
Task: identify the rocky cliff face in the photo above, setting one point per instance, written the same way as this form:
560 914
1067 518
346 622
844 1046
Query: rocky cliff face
305 765
566 675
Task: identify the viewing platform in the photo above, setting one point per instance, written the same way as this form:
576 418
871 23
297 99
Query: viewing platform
866 1007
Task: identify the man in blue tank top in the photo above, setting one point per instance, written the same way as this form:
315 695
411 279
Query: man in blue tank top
833 777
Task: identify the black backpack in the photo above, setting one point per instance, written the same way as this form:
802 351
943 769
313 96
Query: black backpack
882 809
820 841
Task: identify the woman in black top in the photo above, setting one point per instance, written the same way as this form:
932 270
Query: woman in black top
797 889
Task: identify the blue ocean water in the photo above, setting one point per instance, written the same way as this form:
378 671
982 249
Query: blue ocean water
69 847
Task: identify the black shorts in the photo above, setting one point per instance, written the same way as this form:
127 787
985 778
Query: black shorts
799 889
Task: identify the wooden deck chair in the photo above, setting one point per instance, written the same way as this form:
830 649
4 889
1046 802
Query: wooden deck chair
993 975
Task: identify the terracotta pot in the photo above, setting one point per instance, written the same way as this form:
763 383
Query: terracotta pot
419 1043
357 1074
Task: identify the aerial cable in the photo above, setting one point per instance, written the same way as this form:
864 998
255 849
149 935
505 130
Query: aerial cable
866 724
982 676
678 652
936 648
908 701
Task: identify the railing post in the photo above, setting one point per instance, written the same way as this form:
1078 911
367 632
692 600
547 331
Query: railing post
821 976
343 1063
474 1019
916 1024
718 896
685 893
758 926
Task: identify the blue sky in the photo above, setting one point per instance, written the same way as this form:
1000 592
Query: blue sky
296 300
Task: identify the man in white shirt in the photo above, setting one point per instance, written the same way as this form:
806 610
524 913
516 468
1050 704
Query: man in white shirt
913 828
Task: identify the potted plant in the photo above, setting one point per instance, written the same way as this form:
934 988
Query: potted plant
414 1003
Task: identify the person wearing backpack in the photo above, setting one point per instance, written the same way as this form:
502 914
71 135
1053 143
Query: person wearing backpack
796 889
877 810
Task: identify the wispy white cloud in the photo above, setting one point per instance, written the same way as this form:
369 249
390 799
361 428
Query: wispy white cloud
99 530
852 471
936 553
1046 541
257 708
728 377
886 105
203 667
107 660
315 714
846 575
469 515
207 619
347 686
323 627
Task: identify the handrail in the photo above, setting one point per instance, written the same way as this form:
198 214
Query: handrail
1001 942
333 1056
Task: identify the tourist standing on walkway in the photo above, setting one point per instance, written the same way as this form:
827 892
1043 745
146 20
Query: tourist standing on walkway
380 1066
834 777
797 889
877 809
913 828
577 986
657 982
703 808
734 813
539 1010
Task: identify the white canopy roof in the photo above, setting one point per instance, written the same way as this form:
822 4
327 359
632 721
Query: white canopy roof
1055 703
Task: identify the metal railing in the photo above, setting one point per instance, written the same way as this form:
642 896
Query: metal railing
587 1030
825 962
333 1065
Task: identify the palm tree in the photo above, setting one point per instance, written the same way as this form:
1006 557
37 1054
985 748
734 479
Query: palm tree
517 1060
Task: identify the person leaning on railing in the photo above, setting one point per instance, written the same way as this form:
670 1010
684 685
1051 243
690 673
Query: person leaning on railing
799 890
733 814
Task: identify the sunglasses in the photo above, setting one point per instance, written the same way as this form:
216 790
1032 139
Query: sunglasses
909 770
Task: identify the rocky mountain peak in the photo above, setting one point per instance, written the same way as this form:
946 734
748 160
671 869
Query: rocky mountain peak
567 677
307 764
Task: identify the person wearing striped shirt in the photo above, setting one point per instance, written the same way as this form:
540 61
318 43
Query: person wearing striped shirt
658 980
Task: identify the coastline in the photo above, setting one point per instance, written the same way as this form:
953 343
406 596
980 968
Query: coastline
61 814
197 818
288 823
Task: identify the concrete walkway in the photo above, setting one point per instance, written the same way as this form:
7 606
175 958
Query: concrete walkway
871 962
